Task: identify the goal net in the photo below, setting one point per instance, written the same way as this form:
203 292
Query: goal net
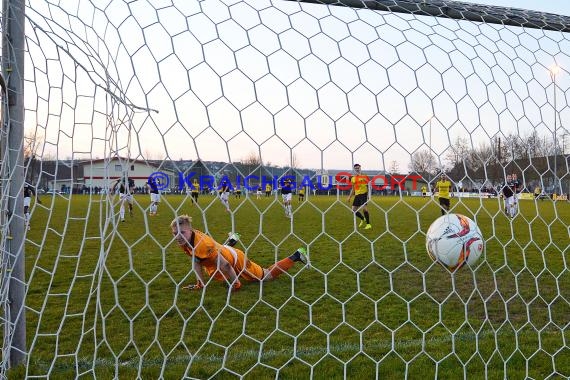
192 94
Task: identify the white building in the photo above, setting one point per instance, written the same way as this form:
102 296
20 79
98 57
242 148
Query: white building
104 172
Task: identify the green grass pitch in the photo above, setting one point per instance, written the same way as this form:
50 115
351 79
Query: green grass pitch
105 299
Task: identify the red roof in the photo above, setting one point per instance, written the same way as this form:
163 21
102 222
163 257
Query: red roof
120 159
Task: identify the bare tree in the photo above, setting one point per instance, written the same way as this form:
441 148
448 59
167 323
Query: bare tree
252 159
535 145
423 163
537 150
565 143
294 161
33 141
47 156
459 150
517 147
394 167
482 156
529 146
458 157
251 162
151 155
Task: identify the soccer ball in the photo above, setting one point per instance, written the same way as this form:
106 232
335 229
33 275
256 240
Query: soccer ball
454 240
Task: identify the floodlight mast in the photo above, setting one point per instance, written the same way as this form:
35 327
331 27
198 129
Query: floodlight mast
554 70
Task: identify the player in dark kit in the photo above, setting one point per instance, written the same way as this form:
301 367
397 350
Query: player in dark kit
286 195
224 193
29 191
510 189
125 195
154 195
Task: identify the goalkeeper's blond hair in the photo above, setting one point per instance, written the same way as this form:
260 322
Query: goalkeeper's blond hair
181 221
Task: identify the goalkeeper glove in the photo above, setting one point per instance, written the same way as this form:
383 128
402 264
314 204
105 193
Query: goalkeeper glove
236 285
196 286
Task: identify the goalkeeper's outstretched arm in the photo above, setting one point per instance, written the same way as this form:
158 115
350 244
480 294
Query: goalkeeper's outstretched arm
228 271
200 281
199 272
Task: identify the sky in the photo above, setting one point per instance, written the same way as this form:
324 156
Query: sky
322 88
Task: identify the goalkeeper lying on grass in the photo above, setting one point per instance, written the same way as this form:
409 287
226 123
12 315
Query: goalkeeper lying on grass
222 261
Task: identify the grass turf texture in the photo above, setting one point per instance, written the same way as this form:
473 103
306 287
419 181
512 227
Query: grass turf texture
105 301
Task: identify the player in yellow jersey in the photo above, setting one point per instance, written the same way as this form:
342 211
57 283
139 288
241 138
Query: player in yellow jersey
360 191
537 192
443 187
424 191
195 191
224 262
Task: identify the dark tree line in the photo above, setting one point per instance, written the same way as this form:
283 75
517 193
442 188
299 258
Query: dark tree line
532 157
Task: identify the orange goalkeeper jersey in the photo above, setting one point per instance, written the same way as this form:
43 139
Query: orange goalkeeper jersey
205 250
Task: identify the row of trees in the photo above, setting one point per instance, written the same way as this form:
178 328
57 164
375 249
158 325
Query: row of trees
253 162
536 156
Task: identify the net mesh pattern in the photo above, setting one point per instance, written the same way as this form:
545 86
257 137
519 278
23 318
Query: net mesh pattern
265 89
